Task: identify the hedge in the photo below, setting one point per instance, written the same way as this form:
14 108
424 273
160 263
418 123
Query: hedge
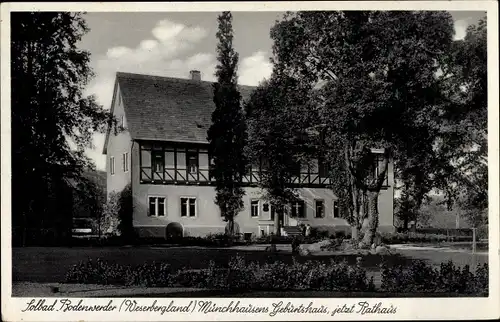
419 277
423 278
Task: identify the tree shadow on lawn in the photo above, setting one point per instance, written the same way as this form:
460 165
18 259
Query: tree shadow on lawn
50 264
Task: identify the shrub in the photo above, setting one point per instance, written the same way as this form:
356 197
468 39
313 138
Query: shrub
275 276
117 214
191 278
101 272
319 233
150 275
312 275
481 279
238 275
421 277
97 272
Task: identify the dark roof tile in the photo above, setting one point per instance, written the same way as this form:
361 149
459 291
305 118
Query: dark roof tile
168 109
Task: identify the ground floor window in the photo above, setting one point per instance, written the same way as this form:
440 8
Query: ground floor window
188 207
157 206
336 210
298 209
125 162
320 208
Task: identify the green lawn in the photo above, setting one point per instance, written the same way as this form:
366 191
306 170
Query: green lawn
50 264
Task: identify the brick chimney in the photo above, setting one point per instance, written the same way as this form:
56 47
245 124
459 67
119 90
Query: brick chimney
195 75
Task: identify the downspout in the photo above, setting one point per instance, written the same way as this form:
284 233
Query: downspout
131 165
131 183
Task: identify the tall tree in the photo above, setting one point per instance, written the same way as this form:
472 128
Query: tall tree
227 134
381 86
52 121
278 140
464 138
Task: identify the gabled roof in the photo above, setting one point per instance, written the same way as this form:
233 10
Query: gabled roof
167 109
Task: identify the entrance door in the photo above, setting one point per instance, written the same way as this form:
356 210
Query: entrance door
281 218
285 219
280 215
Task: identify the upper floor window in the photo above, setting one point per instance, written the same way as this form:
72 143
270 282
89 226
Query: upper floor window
296 169
192 162
112 165
379 167
264 164
248 169
323 168
158 161
298 209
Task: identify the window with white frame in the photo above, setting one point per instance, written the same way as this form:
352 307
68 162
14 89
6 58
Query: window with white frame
125 162
298 209
157 206
320 208
378 167
188 207
158 161
112 165
254 208
192 162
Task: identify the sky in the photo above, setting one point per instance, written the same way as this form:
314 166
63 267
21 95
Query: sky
172 44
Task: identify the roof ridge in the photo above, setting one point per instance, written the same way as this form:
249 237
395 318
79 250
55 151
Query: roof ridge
167 78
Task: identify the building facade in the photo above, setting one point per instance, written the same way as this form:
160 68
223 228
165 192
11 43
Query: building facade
162 153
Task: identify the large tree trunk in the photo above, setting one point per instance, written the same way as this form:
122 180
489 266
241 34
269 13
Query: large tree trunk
355 233
277 224
230 227
354 193
371 228
230 233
